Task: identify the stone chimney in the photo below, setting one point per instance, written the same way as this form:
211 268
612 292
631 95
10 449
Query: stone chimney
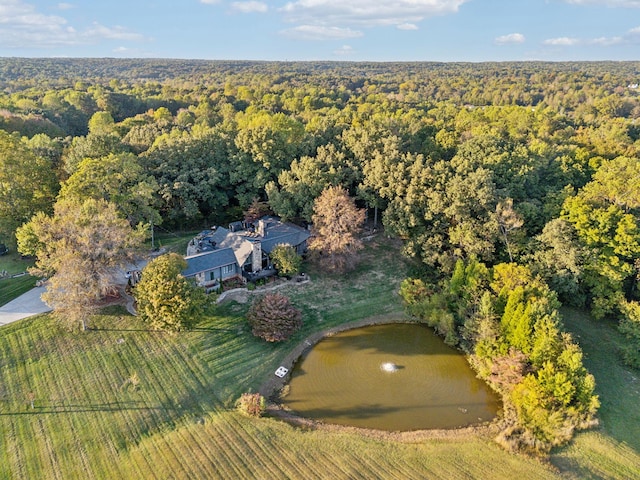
256 256
261 228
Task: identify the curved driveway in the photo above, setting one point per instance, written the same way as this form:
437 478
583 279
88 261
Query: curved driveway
26 305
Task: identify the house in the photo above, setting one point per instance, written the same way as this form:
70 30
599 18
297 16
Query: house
240 251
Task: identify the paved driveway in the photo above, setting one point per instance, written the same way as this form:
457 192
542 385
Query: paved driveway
26 305
30 303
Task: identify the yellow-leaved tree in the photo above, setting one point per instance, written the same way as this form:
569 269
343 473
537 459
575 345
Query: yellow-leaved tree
166 299
80 248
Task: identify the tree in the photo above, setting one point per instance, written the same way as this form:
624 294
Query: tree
119 179
336 223
94 145
508 220
192 173
305 180
267 145
27 185
166 299
273 318
286 259
630 327
559 257
101 123
256 210
606 216
80 247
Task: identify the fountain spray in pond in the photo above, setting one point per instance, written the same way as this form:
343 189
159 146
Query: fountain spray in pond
388 367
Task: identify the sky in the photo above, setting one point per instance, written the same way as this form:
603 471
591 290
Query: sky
348 30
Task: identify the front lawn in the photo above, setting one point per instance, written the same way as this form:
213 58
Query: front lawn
10 288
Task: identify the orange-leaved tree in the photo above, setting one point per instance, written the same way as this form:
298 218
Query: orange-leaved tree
336 224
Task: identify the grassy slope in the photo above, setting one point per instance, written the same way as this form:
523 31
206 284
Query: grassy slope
122 402
613 450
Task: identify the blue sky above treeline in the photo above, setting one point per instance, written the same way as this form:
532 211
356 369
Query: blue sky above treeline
359 30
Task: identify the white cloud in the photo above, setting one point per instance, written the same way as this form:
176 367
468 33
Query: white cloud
365 12
18 14
344 51
606 41
632 36
562 42
510 39
249 7
209 2
317 32
112 33
22 26
407 26
607 3
65 6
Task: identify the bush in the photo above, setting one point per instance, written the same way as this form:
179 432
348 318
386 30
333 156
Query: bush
273 318
251 404
414 290
286 260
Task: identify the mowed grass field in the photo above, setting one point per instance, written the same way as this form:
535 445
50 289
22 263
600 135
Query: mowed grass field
122 402
11 288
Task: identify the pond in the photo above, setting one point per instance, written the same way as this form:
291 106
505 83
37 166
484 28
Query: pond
394 377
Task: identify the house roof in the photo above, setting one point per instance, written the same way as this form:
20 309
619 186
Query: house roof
206 261
222 247
239 244
277 232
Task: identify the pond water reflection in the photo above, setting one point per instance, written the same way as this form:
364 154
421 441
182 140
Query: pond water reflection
396 377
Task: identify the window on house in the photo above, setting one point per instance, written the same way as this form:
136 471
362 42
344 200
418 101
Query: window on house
227 269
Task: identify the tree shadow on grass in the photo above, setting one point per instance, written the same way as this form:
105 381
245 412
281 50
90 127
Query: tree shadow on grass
101 329
42 408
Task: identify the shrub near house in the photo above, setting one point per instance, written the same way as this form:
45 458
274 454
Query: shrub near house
166 299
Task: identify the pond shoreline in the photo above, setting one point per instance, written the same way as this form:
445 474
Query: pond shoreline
272 390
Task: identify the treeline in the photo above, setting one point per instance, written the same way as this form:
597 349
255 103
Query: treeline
507 321
535 164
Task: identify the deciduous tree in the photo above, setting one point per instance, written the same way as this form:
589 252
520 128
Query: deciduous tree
118 179
336 224
27 185
166 300
606 217
286 259
80 247
305 180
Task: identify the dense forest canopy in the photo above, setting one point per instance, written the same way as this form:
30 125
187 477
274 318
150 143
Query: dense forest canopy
437 150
